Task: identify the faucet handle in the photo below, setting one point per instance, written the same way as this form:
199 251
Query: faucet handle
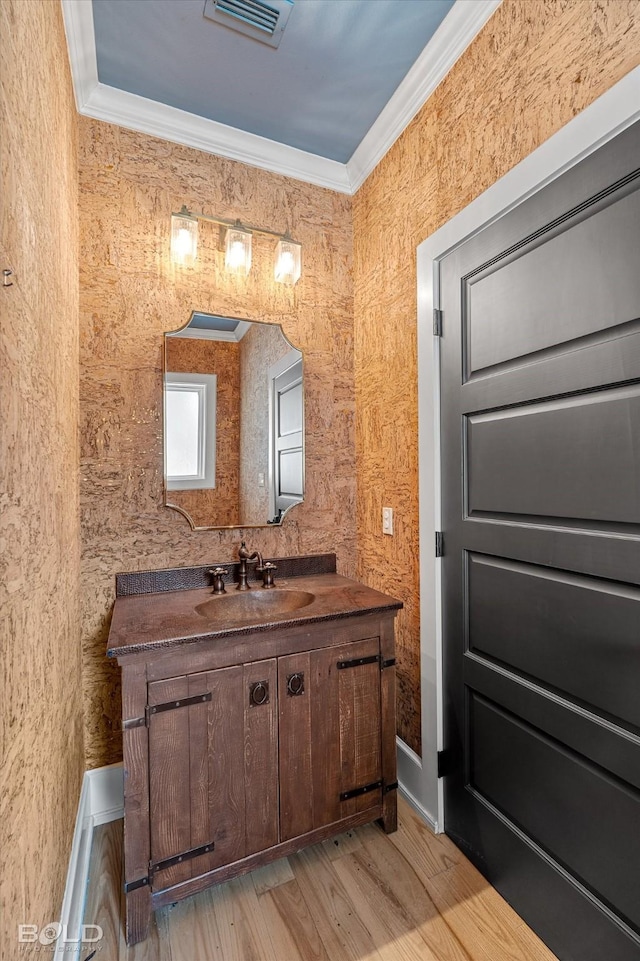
218 582
267 574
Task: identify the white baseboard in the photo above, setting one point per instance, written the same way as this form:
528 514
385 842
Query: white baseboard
410 780
107 793
101 800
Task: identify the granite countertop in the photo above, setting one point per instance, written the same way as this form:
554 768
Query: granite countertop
160 620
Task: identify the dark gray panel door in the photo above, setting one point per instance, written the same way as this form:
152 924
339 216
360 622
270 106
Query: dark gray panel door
541 516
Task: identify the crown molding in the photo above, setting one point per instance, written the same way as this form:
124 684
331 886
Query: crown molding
102 102
179 126
463 22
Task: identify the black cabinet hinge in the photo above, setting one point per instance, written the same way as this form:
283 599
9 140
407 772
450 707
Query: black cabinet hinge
437 322
155 866
365 789
173 705
357 662
390 662
439 544
444 763
133 885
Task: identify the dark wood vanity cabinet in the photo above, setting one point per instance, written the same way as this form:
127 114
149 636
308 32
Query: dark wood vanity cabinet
244 748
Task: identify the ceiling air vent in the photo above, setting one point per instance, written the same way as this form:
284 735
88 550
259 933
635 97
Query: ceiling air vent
260 21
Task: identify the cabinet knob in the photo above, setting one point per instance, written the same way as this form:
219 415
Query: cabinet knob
295 684
258 693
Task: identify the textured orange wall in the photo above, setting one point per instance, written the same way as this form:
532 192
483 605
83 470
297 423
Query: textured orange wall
534 66
130 294
41 724
193 355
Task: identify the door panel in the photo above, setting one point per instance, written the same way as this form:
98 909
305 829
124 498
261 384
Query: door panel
544 788
261 757
541 515
578 635
330 735
169 781
509 315
575 457
212 770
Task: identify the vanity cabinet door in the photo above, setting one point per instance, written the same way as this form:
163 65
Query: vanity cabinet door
212 769
330 735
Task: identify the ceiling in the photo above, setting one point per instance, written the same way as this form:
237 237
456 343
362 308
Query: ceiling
324 106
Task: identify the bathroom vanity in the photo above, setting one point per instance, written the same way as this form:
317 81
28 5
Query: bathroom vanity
254 723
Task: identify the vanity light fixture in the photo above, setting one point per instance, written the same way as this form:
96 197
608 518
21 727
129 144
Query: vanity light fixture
237 257
184 243
184 237
288 261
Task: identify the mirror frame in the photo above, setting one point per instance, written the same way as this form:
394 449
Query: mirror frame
181 510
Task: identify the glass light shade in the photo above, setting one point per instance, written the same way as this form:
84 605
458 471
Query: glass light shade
288 262
184 238
238 251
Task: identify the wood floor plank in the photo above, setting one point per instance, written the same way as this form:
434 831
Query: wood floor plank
395 936
293 932
191 930
481 919
416 841
343 934
348 842
241 934
402 904
102 906
272 875
409 896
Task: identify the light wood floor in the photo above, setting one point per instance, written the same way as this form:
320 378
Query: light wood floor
365 896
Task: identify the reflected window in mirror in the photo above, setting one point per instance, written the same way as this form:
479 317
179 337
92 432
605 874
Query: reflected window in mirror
259 414
190 425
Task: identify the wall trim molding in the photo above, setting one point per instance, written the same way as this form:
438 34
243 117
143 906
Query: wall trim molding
409 781
103 102
419 809
609 115
462 24
101 800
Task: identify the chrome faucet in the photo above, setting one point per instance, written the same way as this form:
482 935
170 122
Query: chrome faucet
245 555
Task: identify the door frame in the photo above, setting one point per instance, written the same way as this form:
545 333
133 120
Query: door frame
598 123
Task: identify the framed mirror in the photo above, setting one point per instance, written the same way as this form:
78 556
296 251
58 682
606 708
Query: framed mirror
233 422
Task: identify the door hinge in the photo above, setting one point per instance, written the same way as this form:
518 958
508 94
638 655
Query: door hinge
356 792
133 885
390 662
357 661
155 866
444 763
437 322
173 705
439 544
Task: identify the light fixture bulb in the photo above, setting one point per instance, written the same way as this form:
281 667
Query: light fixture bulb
184 238
288 261
238 251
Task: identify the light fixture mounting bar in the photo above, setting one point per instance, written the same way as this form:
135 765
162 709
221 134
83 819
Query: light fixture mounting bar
240 225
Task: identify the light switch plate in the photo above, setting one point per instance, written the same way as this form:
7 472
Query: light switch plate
387 520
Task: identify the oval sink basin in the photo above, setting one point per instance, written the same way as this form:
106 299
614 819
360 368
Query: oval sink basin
255 606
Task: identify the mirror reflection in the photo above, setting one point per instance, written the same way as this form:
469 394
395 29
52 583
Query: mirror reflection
233 422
